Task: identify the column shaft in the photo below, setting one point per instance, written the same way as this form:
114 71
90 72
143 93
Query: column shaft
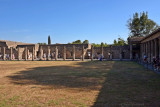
73 52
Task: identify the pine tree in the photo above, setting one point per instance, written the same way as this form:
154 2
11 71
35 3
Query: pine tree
49 40
141 25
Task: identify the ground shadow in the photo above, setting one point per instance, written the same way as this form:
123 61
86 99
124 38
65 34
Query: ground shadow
85 75
120 83
128 84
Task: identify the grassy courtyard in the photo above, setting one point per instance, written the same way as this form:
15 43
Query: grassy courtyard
77 84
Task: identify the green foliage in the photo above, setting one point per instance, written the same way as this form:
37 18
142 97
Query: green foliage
42 43
99 45
141 25
49 40
85 42
119 42
77 42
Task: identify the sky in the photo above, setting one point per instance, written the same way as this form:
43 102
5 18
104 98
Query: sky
31 21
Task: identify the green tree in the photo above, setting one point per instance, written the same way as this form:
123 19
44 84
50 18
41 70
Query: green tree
141 25
42 43
85 42
49 40
77 42
115 43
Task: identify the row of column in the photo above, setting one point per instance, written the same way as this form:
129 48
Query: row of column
64 53
56 53
150 49
11 53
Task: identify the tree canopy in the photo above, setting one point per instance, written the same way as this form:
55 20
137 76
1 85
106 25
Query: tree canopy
49 40
120 42
85 42
141 25
77 42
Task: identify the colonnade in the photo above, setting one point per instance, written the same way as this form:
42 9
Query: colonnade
150 49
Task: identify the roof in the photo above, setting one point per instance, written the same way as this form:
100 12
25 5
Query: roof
154 32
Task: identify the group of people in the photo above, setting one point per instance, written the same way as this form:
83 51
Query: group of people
155 62
7 56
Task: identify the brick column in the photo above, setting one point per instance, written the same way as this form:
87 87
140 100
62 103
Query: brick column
33 53
102 50
131 57
11 54
26 51
141 51
92 52
41 53
48 53
64 53
146 49
120 51
155 48
159 47
18 54
151 50
56 54
4 52
73 52
83 53
111 53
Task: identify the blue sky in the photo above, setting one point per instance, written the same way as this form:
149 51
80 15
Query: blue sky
69 20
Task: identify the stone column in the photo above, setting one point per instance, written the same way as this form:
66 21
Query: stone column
48 53
155 48
83 53
41 53
120 51
64 53
141 51
111 53
18 54
4 52
11 53
159 47
131 57
33 53
151 50
73 52
26 52
102 50
56 54
92 52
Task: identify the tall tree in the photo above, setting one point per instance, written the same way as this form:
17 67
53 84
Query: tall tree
85 42
141 25
77 42
49 40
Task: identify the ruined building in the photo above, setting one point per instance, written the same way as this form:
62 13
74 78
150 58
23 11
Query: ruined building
137 48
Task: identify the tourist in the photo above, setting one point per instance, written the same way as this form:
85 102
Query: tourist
157 63
154 62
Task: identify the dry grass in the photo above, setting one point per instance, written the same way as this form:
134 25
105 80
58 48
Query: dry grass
68 83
